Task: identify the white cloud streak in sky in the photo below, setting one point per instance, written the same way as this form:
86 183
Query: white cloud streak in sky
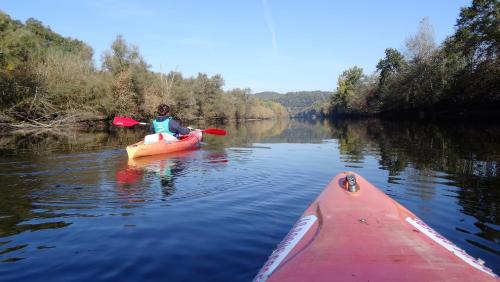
270 25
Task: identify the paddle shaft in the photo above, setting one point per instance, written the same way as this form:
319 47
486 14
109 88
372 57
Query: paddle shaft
125 121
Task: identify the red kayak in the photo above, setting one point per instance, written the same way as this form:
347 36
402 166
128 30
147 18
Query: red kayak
354 232
186 142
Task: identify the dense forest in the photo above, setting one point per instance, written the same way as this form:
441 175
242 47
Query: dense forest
301 103
462 75
48 80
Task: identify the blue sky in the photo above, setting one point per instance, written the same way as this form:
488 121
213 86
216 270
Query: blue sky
260 44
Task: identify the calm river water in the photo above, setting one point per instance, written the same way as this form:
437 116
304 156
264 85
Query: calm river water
73 208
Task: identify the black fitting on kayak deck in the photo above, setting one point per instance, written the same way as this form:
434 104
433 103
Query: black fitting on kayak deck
351 184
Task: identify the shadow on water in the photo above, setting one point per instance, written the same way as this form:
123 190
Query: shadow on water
448 174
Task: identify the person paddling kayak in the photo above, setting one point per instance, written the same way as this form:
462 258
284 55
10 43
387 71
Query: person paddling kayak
164 123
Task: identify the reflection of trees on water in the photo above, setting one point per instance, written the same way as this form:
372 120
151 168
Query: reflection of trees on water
40 193
37 190
17 208
270 131
425 179
45 141
468 154
353 141
246 133
300 131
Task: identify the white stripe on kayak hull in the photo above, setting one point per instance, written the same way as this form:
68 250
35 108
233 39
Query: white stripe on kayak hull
445 243
285 247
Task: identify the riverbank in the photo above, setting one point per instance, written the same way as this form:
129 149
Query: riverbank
96 123
54 81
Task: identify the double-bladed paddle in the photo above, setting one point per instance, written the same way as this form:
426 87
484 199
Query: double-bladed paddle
125 121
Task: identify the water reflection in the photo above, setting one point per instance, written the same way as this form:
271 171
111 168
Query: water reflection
164 167
65 182
434 161
421 157
467 155
66 140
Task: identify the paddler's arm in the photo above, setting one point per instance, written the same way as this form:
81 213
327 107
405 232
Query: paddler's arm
176 127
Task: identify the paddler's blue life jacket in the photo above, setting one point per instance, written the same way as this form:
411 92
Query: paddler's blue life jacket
162 126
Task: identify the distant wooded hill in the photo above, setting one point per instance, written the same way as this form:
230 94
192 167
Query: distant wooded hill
298 103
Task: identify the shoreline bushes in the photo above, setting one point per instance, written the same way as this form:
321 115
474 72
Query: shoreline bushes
49 80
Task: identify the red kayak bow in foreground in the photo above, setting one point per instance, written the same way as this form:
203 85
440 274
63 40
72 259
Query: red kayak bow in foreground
125 121
355 232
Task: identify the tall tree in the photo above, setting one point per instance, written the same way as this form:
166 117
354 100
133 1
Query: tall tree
347 83
122 56
130 73
422 45
478 32
477 43
391 64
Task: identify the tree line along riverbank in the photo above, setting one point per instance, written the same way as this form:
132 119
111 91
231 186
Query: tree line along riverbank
49 80
460 76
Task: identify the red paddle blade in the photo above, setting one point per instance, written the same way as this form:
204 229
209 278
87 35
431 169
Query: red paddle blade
216 131
124 121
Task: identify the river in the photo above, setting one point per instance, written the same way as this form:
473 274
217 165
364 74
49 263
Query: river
73 208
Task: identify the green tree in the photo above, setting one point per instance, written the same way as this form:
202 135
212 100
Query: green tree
478 33
347 84
131 76
416 84
208 92
476 45
123 56
391 64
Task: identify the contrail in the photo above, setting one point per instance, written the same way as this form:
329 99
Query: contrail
270 25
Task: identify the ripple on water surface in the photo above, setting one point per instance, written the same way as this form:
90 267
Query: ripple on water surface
215 214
